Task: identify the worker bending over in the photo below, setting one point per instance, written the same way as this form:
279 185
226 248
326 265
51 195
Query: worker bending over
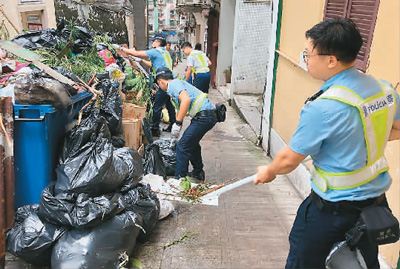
188 99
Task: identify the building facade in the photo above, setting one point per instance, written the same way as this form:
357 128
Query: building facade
20 15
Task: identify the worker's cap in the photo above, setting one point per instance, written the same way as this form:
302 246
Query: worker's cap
163 41
164 73
157 37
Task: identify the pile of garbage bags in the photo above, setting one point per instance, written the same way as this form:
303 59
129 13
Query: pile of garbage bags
69 50
97 208
51 38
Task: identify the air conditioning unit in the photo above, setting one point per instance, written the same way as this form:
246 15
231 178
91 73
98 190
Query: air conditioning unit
192 2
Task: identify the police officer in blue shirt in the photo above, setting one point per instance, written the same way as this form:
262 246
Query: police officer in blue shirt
188 99
159 57
344 127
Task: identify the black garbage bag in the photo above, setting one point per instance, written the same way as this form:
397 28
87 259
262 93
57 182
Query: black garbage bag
77 210
111 107
96 168
65 72
97 247
168 154
63 30
118 141
87 131
37 88
83 39
136 170
145 203
48 38
51 38
147 131
153 162
32 239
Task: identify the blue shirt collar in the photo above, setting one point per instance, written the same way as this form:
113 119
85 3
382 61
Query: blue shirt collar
333 80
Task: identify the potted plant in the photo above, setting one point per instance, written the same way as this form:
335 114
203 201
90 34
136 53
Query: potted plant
227 73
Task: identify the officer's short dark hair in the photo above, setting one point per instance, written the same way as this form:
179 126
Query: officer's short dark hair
164 73
186 44
339 37
163 42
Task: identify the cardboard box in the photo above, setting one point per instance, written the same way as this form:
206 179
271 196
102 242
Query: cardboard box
132 132
132 111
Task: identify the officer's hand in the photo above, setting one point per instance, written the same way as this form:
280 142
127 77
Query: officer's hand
175 130
116 46
264 175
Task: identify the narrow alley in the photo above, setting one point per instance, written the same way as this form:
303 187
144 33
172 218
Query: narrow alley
93 112
250 226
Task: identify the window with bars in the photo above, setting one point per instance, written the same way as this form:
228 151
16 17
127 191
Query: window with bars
363 13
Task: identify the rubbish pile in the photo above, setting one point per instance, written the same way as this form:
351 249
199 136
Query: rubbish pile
95 209
83 58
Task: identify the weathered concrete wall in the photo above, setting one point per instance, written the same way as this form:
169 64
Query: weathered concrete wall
140 34
225 39
99 15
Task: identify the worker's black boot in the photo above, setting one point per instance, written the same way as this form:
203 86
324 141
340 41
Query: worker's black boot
198 176
155 132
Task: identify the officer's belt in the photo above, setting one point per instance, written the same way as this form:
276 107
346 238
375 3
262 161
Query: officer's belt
344 206
202 72
206 113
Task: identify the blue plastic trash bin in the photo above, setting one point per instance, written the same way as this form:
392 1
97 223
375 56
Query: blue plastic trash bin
39 132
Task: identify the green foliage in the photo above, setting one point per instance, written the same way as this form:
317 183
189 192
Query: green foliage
83 65
185 183
134 83
181 239
136 263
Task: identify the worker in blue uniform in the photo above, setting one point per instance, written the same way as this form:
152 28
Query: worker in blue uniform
198 66
344 127
159 57
192 101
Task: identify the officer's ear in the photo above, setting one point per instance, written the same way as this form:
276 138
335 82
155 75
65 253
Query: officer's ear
162 83
333 61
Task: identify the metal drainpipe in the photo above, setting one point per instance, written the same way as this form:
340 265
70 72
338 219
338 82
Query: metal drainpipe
278 37
6 173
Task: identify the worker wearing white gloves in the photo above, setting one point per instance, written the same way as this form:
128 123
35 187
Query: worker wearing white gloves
159 57
191 100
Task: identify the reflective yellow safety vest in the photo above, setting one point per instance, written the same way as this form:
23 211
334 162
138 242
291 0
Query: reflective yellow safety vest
196 106
202 60
167 58
377 114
